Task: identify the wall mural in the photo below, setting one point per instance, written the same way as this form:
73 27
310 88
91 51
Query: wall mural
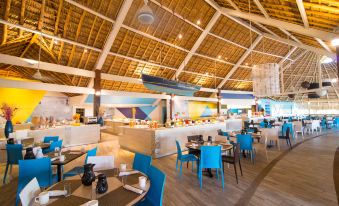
143 112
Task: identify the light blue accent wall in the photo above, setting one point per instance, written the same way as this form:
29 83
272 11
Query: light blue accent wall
109 99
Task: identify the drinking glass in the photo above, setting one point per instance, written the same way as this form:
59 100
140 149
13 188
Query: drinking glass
67 188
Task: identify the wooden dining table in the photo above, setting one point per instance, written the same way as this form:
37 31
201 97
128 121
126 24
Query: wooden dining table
196 146
69 157
116 194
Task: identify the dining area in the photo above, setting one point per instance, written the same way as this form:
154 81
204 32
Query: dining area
45 176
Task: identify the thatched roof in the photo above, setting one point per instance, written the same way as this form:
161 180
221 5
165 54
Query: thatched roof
158 50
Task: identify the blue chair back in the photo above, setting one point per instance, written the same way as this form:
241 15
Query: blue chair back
39 168
55 145
245 141
210 157
323 123
49 139
156 192
250 130
284 128
142 162
90 153
262 124
179 152
14 153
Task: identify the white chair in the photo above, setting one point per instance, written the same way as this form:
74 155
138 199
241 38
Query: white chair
101 162
270 134
29 192
298 128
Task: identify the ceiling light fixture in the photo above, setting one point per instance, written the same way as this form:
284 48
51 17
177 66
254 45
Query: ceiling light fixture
334 80
219 57
31 61
198 22
335 42
55 41
85 50
326 60
145 14
180 36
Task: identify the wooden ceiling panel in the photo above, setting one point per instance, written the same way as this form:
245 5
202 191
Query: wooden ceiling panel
124 67
207 67
201 80
109 8
242 73
257 58
243 5
237 85
192 10
233 31
307 40
202 94
135 45
272 47
166 26
215 48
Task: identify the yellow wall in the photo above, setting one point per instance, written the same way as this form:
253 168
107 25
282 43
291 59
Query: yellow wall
196 109
25 100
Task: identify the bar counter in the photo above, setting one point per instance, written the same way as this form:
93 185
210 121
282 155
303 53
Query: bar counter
161 142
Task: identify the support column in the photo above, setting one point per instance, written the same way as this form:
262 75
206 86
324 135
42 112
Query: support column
97 93
337 51
171 105
219 102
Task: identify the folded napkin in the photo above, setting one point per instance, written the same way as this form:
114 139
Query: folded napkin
128 173
54 193
133 189
54 158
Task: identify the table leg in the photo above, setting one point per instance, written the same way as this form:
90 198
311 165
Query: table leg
59 172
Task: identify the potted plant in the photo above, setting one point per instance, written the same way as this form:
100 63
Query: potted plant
8 113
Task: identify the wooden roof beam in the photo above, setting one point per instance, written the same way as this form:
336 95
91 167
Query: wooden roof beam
113 34
302 12
30 63
324 35
322 43
6 15
261 8
196 45
240 61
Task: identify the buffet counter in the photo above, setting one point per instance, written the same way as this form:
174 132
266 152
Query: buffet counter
161 142
114 126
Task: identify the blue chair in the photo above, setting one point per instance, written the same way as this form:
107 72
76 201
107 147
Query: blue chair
184 158
53 146
80 169
156 192
39 168
49 139
336 122
284 128
210 158
246 144
262 124
142 162
323 123
14 154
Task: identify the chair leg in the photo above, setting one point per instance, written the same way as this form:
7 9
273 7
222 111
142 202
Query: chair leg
240 168
4 180
192 165
176 165
222 179
235 171
187 164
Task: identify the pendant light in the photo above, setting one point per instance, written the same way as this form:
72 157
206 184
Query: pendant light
145 14
37 74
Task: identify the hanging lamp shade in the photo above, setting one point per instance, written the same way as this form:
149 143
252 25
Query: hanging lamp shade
266 79
145 15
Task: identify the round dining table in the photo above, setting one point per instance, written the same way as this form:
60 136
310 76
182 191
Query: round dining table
196 146
116 194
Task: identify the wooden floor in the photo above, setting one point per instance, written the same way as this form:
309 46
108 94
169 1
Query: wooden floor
303 176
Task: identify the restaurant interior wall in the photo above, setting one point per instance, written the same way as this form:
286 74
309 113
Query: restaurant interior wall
25 100
54 105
